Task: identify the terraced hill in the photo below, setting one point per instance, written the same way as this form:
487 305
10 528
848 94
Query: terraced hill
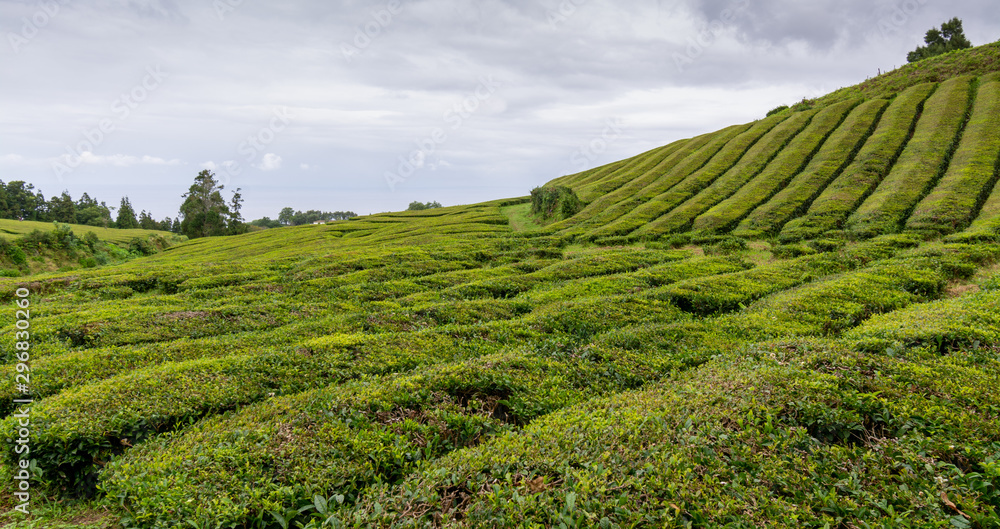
916 150
788 323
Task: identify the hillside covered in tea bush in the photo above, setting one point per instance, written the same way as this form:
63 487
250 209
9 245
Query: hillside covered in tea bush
788 323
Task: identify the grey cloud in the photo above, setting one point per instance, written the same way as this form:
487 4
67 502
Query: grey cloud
566 66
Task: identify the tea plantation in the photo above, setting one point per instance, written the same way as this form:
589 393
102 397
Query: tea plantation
788 323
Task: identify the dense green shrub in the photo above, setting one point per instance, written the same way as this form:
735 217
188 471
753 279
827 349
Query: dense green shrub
727 246
558 202
15 253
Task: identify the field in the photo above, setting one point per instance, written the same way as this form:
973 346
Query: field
788 323
15 228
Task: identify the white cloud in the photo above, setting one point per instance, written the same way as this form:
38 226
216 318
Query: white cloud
270 162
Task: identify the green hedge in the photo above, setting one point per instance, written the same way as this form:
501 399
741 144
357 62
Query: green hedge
737 163
638 166
604 263
835 154
835 304
643 206
83 427
728 292
860 178
584 177
276 456
756 159
54 373
921 164
610 206
724 159
972 174
968 321
789 162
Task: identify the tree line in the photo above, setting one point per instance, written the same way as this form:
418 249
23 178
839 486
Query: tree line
204 212
291 217
20 201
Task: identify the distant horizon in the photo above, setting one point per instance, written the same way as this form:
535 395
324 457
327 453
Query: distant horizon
370 107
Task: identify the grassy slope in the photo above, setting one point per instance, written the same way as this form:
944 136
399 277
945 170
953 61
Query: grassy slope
15 228
875 159
925 158
973 170
468 367
834 155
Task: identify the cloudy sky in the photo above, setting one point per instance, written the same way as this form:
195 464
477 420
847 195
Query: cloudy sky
369 105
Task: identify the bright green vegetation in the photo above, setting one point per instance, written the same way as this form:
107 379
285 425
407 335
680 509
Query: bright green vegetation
637 167
729 161
718 164
838 150
925 158
688 338
10 229
521 218
982 60
645 205
939 326
866 171
777 174
973 170
639 179
755 160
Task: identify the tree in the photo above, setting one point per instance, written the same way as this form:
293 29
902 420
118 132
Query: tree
266 222
147 222
126 216
285 217
236 225
290 217
419 206
85 202
63 209
91 212
21 201
949 38
97 215
204 211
